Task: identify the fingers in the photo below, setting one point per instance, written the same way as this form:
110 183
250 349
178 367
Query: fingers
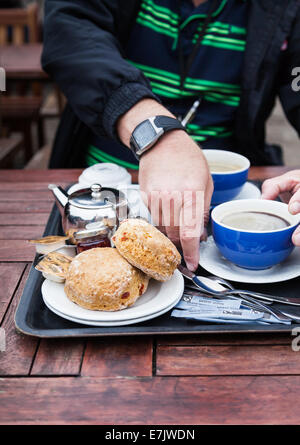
182 216
191 227
165 212
272 188
294 209
171 207
296 237
294 204
207 201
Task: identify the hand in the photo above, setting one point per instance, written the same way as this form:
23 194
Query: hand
175 182
175 179
289 182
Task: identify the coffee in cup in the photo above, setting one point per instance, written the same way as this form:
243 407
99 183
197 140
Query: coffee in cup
255 221
222 167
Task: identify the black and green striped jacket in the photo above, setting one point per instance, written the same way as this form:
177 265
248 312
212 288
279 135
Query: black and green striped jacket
215 74
85 45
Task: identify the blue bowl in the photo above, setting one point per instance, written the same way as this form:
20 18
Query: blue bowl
253 249
227 184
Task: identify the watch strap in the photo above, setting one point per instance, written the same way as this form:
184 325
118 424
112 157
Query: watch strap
168 123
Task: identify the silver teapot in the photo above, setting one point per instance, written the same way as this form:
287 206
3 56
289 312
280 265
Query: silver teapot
89 205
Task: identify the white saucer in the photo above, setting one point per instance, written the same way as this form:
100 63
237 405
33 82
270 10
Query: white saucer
113 323
249 191
212 260
158 297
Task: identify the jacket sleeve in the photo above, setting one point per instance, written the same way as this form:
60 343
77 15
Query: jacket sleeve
83 56
289 88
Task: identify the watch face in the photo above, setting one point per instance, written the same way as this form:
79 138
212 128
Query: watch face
144 134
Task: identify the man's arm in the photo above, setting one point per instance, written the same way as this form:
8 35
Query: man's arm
174 180
82 54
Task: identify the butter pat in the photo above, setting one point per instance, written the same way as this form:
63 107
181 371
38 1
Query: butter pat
48 244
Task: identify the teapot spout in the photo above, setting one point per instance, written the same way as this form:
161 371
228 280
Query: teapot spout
61 197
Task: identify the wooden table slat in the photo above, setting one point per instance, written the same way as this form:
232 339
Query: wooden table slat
20 349
126 356
9 279
23 219
58 357
40 176
17 250
26 206
26 195
227 360
21 232
14 187
147 400
57 176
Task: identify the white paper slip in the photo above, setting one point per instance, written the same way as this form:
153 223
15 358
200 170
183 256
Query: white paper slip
229 314
226 316
191 302
201 317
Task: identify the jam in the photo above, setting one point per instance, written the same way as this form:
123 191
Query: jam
95 235
91 243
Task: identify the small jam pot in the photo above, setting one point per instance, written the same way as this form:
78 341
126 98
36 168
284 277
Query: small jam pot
94 235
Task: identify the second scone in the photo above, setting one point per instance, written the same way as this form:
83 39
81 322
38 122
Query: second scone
146 248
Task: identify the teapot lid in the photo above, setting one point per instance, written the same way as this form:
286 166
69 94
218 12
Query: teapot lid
97 197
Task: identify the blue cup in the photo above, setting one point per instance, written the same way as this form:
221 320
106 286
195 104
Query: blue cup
227 184
252 249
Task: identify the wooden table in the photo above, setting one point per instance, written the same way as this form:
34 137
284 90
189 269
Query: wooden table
22 62
203 379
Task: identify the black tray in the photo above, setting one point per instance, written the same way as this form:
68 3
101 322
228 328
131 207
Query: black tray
34 318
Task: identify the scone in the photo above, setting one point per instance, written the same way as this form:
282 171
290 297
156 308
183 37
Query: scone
146 248
101 279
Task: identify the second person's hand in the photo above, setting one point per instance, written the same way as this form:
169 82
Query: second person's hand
289 182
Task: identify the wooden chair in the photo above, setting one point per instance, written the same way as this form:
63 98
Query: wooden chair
40 160
21 104
19 25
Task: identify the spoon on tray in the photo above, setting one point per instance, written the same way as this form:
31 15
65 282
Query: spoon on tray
216 289
216 285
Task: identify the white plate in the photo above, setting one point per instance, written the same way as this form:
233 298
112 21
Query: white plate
158 297
212 260
113 323
108 323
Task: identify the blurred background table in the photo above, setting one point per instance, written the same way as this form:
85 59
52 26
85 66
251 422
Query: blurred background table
23 62
174 379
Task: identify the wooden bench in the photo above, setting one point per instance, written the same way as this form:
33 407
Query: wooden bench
40 160
8 148
18 113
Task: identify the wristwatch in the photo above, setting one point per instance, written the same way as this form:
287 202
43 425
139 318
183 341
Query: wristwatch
148 132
